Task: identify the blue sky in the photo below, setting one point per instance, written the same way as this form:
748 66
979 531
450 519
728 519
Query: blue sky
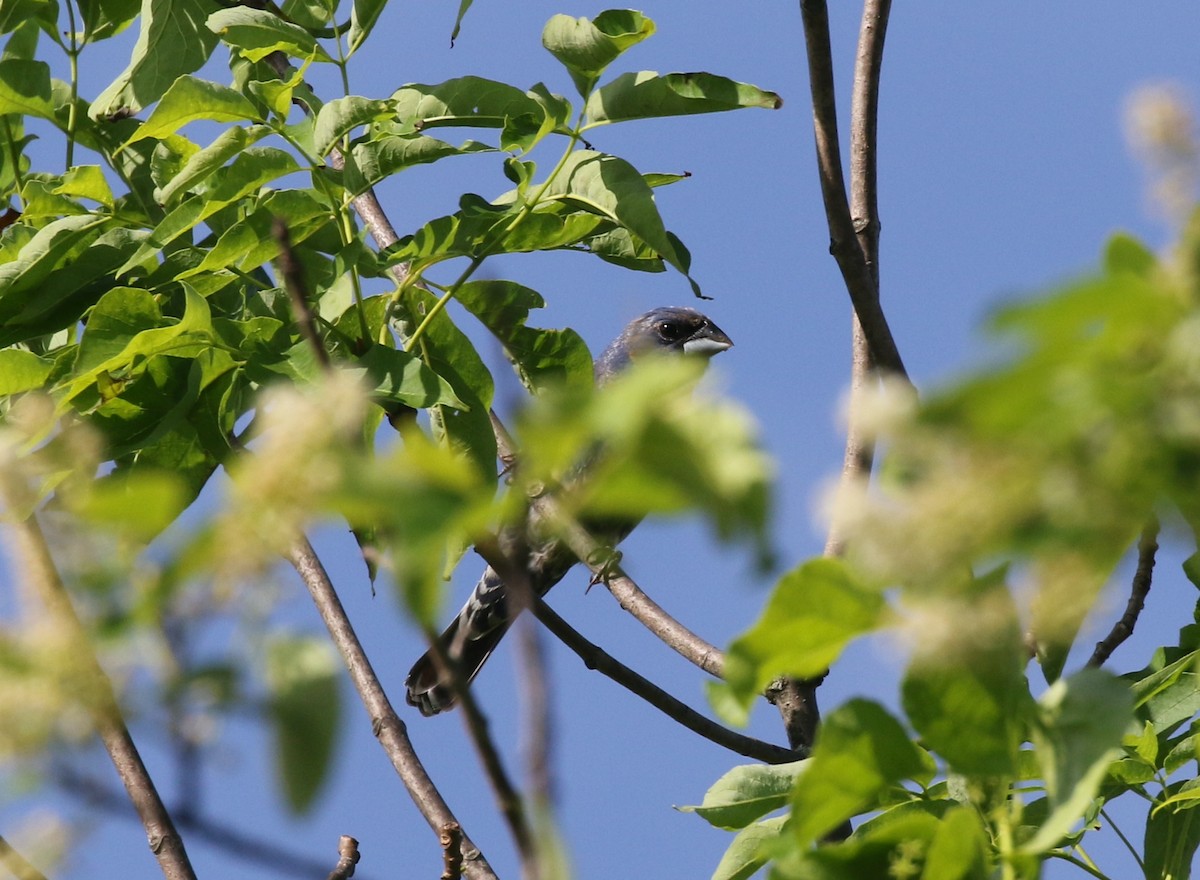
1003 168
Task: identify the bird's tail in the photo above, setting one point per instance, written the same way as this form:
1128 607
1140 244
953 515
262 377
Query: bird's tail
430 691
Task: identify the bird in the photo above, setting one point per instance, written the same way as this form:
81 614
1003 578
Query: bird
475 632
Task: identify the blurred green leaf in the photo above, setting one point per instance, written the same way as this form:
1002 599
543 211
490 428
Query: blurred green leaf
814 611
1081 722
647 95
301 676
139 504
861 751
747 793
586 47
745 854
173 41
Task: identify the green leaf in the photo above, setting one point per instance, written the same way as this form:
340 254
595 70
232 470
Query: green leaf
15 13
612 188
256 33
463 6
745 854
814 611
747 793
960 848
1173 835
586 47
542 357
253 168
25 88
363 16
136 503
475 102
450 354
107 18
173 41
1081 722
384 155
1170 694
201 164
188 337
22 371
58 273
860 751
399 377
1124 253
86 182
189 99
301 676
343 115
647 95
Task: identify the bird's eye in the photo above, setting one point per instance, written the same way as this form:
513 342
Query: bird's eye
669 331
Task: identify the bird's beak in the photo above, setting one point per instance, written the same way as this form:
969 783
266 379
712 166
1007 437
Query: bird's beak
708 340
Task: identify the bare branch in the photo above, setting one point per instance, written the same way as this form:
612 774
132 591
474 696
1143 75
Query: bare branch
1139 589
451 840
537 727
347 858
596 658
42 576
507 798
860 282
17 864
386 724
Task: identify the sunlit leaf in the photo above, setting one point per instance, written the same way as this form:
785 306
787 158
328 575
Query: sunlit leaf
256 33
745 854
341 116
22 371
173 41
648 95
474 102
189 99
586 47
747 793
25 88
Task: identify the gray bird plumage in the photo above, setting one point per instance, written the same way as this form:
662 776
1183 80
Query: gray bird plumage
484 619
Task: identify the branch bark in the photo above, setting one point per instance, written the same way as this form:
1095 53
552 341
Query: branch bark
386 724
1139 589
347 859
596 658
860 283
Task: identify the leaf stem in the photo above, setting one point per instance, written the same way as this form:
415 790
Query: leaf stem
1125 840
73 48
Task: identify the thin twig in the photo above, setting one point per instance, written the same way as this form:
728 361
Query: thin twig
229 839
297 289
17 864
42 576
596 658
537 727
507 798
386 724
843 237
451 840
1139 589
347 859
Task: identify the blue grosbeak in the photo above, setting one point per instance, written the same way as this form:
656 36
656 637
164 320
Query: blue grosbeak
484 619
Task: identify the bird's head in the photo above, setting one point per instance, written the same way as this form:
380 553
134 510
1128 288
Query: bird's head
663 330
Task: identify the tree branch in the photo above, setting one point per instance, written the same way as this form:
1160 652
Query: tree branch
596 658
293 281
347 858
1139 589
860 283
95 687
386 724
